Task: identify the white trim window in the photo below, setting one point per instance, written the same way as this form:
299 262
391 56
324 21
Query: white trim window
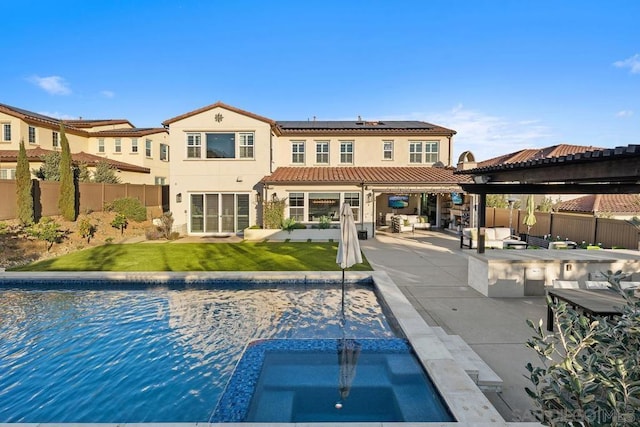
387 150
194 146
101 148
160 180
164 152
297 152
246 145
55 139
346 152
7 174
134 145
415 152
6 132
147 148
296 206
431 151
354 201
322 152
32 135
117 147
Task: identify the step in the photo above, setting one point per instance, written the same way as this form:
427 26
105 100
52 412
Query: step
474 366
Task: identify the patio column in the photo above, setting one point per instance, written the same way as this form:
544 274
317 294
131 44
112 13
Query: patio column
482 213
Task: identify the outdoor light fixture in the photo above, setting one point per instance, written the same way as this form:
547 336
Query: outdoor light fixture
369 197
179 198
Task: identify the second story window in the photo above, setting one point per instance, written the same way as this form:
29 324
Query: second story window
6 132
147 148
134 145
415 152
164 152
32 135
297 152
101 145
55 139
246 145
118 146
431 151
387 150
322 152
194 146
346 152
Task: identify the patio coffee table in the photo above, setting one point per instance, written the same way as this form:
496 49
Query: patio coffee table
593 302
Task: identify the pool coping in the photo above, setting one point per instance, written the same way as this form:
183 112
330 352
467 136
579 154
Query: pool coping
466 401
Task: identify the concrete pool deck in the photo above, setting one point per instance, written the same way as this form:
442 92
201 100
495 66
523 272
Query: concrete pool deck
432 272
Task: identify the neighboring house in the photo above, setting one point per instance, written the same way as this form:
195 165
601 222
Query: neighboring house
533 154
227 162
140 155
615 206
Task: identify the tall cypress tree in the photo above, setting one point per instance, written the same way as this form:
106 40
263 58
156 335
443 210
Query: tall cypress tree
67 199
24 191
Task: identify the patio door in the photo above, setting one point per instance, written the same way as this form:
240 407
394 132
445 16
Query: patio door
218 213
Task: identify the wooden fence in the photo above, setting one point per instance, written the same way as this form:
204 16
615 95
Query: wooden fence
91 197
579 228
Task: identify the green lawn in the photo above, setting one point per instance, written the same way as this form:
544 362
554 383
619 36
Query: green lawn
245 256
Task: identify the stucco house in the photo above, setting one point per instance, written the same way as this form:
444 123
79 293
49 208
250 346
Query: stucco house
139 155
226 162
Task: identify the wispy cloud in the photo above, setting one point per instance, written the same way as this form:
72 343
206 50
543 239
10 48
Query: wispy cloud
624 113
488 135
107 94
632 63
55 85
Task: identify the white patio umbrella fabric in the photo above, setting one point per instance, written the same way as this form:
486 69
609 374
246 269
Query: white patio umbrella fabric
349 246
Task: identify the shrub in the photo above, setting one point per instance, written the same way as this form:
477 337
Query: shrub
120 222
165 225
590 373
288 224
130 207
325 222
67 196
274 213
105 173
47 230
24 188
86 229
151 233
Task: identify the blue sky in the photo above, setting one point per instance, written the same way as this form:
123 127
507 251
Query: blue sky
506 75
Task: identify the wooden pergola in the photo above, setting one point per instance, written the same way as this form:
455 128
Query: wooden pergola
608 171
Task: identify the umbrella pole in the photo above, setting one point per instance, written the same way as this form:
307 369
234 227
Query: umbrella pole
343 320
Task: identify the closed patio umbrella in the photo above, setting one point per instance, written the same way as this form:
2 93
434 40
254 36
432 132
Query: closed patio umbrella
530 217
348 246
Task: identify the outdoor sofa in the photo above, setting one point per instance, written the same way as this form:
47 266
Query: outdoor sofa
401 223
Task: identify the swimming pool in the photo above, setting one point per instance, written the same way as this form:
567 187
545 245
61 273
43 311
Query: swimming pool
78 353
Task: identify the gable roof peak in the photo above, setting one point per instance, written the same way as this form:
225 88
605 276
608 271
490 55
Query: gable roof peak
217 104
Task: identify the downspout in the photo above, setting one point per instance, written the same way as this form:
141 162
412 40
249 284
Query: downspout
270 152
362 207
449 159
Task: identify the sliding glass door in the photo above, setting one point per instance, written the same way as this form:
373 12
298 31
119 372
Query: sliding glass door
218 213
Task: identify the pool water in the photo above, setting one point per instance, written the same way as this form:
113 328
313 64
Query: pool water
336 380
153 355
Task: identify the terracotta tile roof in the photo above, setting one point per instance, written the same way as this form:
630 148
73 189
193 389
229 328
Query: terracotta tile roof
39 119
128 132
602 203
35 155
83 124
537 154
216 105
368 175
395 127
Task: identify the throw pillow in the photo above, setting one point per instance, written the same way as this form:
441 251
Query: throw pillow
406 223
